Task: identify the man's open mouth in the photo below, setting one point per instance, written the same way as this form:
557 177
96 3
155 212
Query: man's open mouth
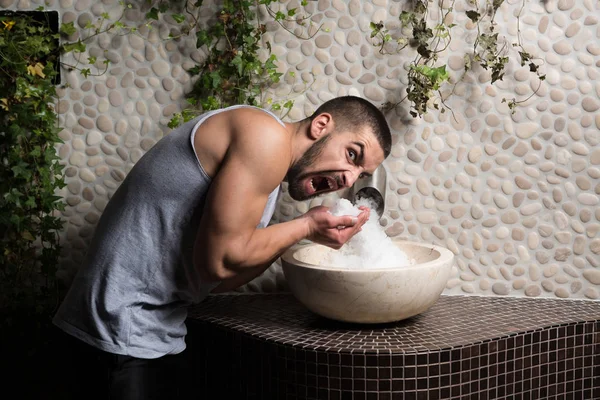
321 183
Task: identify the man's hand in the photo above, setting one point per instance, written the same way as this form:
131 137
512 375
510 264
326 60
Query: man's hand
332 231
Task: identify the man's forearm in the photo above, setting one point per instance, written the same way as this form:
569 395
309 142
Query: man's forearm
265 245
240 280
225 258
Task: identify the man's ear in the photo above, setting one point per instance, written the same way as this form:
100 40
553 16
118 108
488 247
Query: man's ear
320 126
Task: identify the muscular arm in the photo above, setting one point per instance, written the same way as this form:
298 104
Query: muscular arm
229 247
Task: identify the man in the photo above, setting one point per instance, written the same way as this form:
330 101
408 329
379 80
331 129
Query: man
191 219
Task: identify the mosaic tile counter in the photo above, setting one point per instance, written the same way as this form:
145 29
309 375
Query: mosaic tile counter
268 346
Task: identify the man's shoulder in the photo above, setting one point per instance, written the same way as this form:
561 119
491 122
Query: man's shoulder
256 115
259 127
261 143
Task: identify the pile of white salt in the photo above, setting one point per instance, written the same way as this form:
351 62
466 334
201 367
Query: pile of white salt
370 248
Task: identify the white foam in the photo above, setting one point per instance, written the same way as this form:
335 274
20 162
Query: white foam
370 248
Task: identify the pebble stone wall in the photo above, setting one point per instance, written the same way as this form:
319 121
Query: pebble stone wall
514 196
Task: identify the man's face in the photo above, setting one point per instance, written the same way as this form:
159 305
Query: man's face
334 162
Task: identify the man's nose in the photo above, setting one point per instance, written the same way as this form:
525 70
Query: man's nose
351 177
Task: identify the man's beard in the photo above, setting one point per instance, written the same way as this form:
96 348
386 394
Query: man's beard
297 172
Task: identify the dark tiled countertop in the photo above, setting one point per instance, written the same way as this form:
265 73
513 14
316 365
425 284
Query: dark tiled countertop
453 321
269 346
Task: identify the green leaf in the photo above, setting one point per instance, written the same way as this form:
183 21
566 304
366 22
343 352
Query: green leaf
175 121
249 40
270 62
497 75
77 47
21 170
188 115
13 196
36 152
407 17
424 51
496 4
239 63
202 38
152 14
473 15
211 103
194 70
54 199
30 202
275 76
16 219
27 236
436 75
525 56
216 79
179 18
68 28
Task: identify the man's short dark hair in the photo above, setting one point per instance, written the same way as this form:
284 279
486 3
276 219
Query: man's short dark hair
350 112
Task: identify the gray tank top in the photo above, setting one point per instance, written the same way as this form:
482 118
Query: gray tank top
131 295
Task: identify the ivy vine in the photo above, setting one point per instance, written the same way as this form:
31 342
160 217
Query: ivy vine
234 71
427 72
30 172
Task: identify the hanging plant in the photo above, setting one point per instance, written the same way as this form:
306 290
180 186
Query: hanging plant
427 72
30 172
525 58
234 71
493 56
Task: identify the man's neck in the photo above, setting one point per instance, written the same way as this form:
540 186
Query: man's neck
299 139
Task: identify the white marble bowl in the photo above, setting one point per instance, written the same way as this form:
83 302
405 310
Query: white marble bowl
368 295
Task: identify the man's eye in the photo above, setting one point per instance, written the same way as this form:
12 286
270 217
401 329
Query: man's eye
352 154
361 176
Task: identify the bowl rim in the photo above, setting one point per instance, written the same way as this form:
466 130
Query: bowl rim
445 256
